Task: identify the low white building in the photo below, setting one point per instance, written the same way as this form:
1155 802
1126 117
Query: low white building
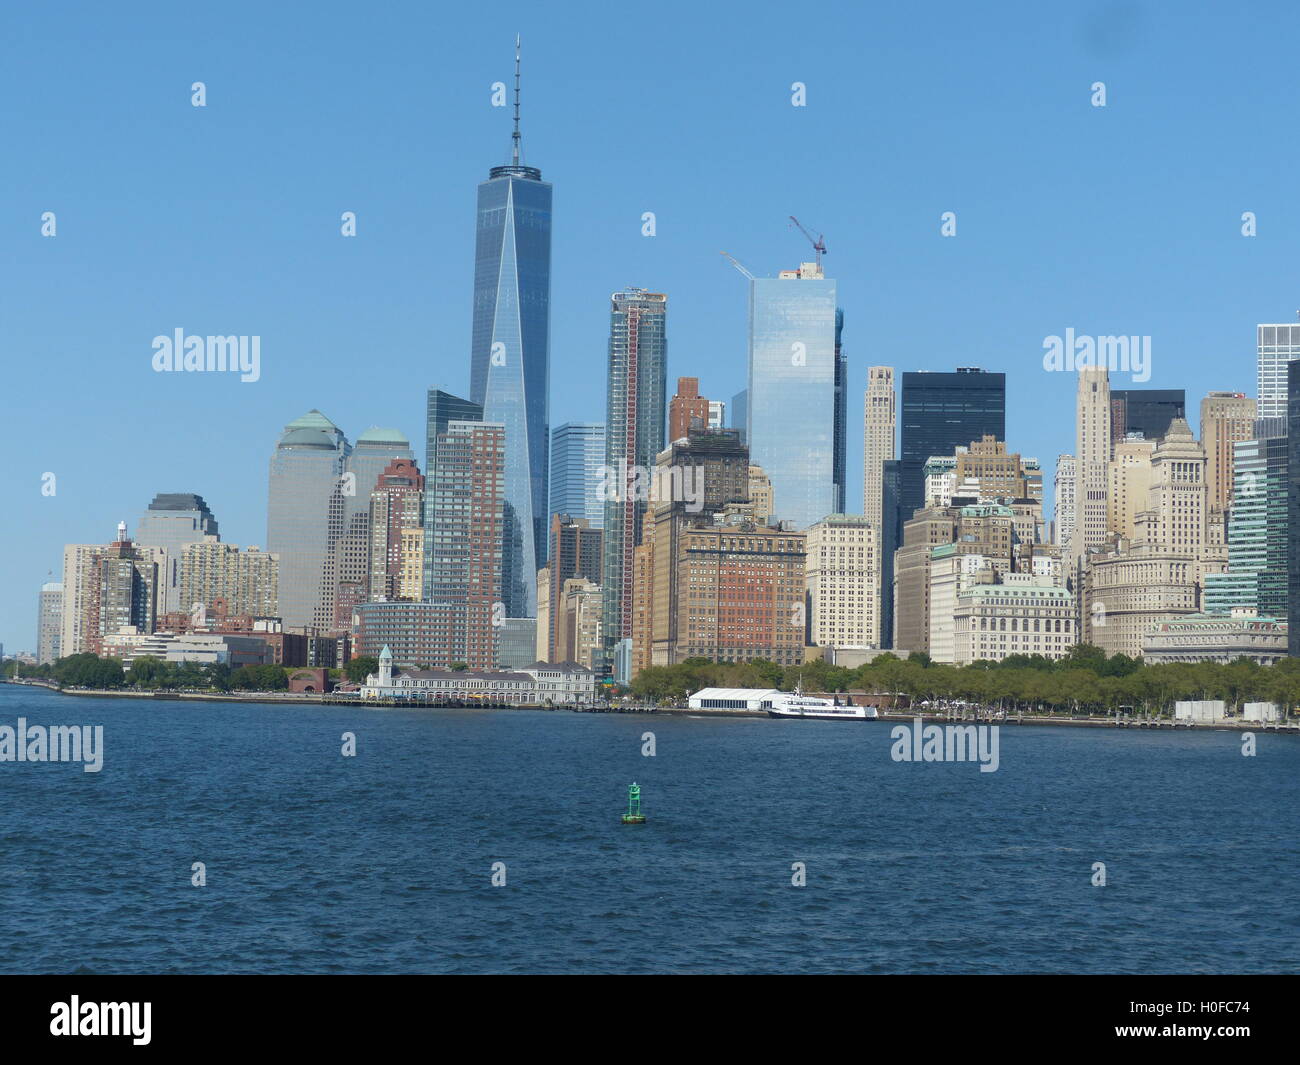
1200 710
733 698
541 684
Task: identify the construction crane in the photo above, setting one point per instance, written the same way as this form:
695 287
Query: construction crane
818 243
738 265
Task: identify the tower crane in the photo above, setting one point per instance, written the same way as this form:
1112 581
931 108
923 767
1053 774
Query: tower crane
818 243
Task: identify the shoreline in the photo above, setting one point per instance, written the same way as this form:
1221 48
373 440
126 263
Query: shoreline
320 699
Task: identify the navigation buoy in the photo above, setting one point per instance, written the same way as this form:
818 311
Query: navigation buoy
634 816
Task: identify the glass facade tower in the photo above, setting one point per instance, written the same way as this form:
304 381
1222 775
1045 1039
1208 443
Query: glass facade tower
577 453
510 358
304 517
793 411
636 399
940 412
1257 534
1277 346
173 520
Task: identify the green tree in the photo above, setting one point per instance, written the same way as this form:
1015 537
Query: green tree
358 669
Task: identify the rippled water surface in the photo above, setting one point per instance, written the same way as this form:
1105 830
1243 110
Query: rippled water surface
383 862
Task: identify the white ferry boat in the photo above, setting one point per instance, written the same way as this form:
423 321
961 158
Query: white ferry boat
796 704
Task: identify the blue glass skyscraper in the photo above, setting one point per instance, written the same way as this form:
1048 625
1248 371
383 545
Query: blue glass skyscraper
510 353
792 403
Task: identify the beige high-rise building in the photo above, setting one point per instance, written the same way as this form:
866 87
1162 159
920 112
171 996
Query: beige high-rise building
760 494
842 576
542 648
247 581
1092 459
1226 418
578 623
410 571
1131 586
1064 515
878 433
1130 485
79 585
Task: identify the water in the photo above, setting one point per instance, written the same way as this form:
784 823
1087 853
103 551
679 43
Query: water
382 863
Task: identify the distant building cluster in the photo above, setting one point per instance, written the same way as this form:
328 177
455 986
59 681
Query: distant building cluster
684 526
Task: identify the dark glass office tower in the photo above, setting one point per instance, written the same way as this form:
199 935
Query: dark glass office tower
510 353
1149 411
840 442
939 413
891 539
1293 506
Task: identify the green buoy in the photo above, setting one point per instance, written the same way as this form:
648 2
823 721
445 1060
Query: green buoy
634 816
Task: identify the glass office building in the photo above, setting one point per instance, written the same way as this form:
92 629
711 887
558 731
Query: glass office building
173 520
1277 346
792 408
304 517
577 454
940 412
1293 507
1149 411
510 357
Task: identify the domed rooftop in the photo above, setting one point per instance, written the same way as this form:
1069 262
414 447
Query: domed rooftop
379 435
307 438
313 419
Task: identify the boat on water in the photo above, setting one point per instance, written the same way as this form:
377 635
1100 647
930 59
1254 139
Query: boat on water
796 704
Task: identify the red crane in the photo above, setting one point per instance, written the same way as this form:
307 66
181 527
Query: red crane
818 243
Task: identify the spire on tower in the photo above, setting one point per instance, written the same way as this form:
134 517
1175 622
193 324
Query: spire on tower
515 136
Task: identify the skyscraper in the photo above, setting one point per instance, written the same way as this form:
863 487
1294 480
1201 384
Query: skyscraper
1293 506
1226 419
687 409
1064 516
740 414
442 409
246 582
941 412
1277 345
396 527
375 450
636 395
305 517
173 520
1149 411
1256 579
840 445
510 353
878 431
49 623
468 504
575 554
577 454
1092 460
792 403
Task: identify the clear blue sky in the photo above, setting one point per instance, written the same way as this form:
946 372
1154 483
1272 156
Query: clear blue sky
226 219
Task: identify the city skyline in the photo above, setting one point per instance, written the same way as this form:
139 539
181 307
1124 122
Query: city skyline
320 356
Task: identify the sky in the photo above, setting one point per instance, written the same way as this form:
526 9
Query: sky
225 219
